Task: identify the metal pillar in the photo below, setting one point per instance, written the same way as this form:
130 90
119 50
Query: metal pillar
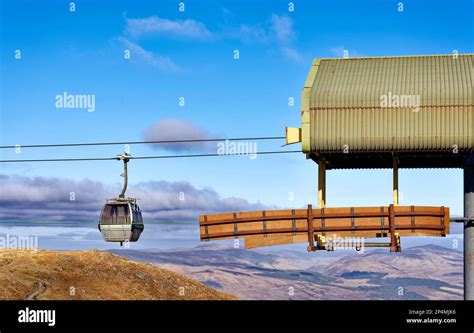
469 232
395 181
321 183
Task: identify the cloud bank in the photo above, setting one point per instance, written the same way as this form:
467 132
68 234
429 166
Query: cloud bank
49 199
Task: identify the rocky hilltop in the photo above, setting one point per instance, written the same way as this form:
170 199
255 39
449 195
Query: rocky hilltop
92 275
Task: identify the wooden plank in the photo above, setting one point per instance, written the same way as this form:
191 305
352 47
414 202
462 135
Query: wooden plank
350 230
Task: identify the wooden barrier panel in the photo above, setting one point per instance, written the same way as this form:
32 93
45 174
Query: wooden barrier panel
273 227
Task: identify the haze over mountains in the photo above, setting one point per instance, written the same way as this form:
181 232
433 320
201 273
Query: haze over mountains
424 272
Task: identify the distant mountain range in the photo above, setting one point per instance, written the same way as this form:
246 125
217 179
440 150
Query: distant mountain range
424 272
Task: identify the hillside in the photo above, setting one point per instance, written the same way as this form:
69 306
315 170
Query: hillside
92 275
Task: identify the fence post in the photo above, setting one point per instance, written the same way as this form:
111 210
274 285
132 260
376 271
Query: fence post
311 247
391 221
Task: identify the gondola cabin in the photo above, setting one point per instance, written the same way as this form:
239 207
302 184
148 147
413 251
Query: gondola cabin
121 220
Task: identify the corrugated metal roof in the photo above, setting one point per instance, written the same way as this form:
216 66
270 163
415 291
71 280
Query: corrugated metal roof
352 103
360 82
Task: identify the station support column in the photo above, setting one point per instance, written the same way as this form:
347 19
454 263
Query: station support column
469 231
395 181
321 183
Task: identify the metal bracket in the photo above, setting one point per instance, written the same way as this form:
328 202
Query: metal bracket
322 244
461 219
125 157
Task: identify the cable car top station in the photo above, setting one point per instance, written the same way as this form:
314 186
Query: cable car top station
374 112
393 112
387 112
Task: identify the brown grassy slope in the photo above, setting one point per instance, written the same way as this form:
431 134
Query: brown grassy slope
92 275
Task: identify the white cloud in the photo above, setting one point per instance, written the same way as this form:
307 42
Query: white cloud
181 29
155 26
253 33
277 31
139 53
283 28
174 129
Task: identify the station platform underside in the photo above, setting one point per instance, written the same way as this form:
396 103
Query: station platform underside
382 160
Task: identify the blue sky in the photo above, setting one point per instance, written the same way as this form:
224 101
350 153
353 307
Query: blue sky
190 54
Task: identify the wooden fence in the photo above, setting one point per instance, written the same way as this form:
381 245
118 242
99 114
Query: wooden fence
273 227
